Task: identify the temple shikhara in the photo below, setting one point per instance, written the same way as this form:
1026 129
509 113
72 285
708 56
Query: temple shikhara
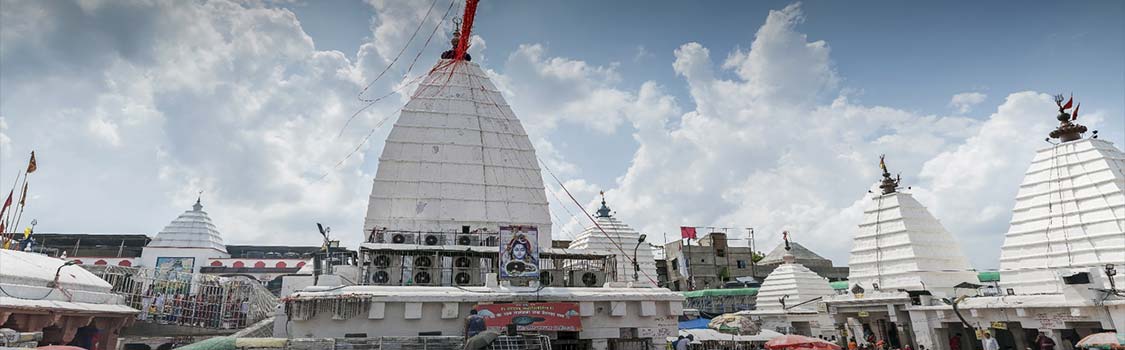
458 224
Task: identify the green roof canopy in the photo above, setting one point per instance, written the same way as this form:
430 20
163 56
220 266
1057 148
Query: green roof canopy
989 276
839 285
721 292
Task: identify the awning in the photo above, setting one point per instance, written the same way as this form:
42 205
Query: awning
721 292
698 323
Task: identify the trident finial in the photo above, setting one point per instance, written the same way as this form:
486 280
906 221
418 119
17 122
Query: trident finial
1067 131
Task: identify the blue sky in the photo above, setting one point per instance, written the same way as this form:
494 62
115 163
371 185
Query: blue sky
906 55
768 114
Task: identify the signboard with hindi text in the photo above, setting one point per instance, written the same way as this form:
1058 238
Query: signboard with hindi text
532 316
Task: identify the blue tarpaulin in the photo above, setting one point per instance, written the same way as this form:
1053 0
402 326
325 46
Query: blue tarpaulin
698 323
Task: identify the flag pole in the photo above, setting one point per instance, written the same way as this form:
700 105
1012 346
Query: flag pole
691 276
23 202
8 215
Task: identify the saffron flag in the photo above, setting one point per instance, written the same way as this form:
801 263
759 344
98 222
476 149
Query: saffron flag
1075 117
1069 103
687 232
31 164
23 195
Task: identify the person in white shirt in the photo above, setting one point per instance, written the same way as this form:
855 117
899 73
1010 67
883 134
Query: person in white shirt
989 343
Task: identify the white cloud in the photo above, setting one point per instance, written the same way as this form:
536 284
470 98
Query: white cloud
227 97
5 141
234 99
963 102
105 130
781 147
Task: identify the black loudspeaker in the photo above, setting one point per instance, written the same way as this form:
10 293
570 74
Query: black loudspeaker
1078 278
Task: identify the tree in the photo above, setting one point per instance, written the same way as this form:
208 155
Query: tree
758 256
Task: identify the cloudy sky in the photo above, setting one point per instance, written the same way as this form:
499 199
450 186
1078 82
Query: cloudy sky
765 114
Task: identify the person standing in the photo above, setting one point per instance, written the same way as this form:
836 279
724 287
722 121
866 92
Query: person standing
989 343
474 324
1044 342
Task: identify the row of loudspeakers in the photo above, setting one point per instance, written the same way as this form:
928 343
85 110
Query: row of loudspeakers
572 278
426 271
439 239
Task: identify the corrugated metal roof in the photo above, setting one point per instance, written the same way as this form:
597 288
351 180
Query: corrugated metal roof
799 251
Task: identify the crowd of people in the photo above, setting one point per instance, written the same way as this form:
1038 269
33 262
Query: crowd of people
208 304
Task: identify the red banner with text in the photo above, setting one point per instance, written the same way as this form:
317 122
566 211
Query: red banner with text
532 317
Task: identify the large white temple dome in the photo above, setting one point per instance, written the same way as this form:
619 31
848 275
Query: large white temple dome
457 156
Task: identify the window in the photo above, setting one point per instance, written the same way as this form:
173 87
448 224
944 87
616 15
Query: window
741 264
676 264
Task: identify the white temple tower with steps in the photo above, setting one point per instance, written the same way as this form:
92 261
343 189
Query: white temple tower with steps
617 235
1069 215
788 299
900 245
189 239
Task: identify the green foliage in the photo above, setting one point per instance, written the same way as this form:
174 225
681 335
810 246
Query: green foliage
758 256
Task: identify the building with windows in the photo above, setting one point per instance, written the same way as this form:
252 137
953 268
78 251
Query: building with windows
713 263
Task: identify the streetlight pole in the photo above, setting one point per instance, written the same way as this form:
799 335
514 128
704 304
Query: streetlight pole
636 265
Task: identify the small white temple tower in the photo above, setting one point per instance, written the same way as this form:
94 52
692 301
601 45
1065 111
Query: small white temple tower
617 237
186 243
788 299
1069 216
901 246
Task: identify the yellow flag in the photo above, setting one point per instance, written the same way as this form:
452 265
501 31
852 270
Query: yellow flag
26 232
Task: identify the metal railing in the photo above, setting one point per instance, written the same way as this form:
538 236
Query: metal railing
187 299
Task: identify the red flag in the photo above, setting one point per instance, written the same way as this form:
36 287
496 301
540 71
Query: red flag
1069 102
1075 117
687 232
7 203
